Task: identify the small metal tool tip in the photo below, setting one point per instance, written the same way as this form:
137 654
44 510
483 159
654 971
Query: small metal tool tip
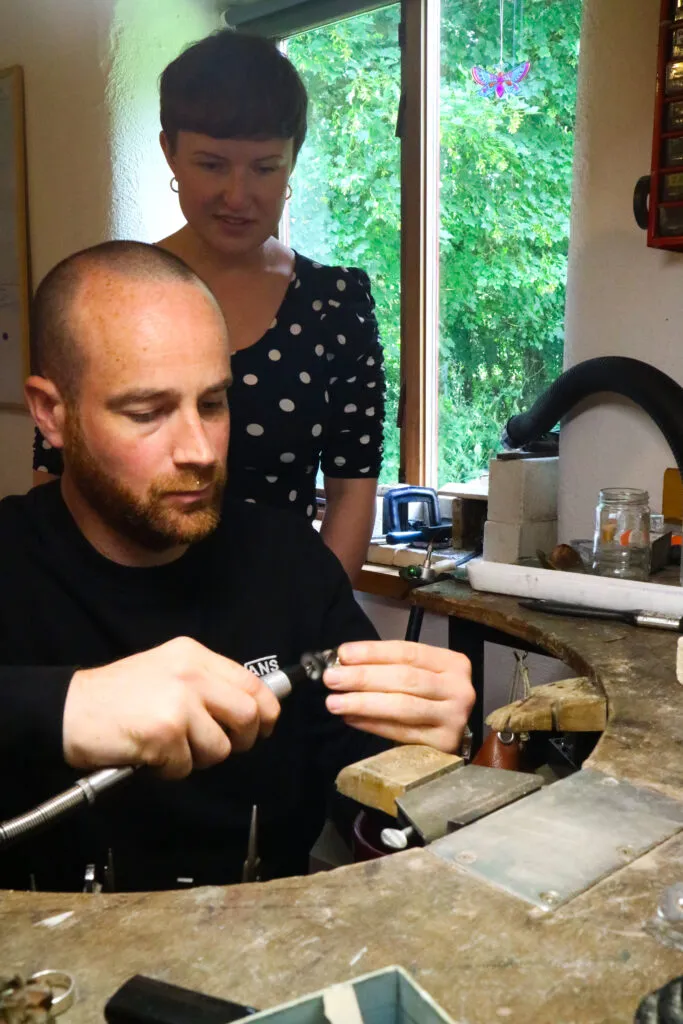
396 838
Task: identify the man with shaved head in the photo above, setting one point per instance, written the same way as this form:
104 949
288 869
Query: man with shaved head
138 608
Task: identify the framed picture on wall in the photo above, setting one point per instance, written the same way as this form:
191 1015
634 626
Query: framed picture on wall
14 255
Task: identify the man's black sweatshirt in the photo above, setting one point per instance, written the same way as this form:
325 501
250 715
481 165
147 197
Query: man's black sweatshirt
261 590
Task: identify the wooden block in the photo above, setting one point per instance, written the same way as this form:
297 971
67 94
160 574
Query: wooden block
382 581
377 781
469 516
478 488
672 496
571 705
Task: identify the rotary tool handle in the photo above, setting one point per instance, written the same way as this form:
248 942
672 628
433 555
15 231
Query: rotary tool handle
143 1000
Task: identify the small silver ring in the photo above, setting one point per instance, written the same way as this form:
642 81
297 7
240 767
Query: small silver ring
61 980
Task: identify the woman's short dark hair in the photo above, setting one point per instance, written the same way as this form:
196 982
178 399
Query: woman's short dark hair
233 86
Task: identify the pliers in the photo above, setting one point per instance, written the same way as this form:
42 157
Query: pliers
252 865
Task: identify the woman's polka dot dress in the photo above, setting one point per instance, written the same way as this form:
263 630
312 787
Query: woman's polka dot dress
308 395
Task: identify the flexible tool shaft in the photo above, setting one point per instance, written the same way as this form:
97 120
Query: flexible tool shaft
87 789
655 392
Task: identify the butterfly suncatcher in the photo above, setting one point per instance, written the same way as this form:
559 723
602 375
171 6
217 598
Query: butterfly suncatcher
500 82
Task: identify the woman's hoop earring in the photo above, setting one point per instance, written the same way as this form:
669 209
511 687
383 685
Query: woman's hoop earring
176 189
288 192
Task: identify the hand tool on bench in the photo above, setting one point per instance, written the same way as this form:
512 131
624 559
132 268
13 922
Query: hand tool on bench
252 864
143 1000
422 576
657 620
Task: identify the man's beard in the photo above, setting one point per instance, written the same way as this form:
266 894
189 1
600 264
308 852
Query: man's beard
150 521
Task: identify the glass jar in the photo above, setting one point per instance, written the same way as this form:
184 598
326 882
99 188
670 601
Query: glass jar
621 543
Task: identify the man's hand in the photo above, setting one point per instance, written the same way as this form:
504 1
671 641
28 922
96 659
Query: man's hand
177 707
408 692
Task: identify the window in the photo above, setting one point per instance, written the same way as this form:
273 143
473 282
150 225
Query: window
506 170
463 226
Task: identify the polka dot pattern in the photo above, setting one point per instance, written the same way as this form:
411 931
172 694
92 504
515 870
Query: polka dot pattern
307 396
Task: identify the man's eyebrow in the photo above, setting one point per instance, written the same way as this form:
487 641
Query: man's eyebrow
222 385
136 396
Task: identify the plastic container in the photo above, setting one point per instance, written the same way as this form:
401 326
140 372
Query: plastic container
389 996
621 542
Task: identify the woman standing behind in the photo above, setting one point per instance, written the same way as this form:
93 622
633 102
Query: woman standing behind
308 385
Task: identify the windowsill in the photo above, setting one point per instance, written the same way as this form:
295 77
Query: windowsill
382 581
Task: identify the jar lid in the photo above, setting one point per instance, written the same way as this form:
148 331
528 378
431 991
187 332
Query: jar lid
624 495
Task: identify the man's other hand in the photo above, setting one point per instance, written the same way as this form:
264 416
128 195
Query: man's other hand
176 707
407 692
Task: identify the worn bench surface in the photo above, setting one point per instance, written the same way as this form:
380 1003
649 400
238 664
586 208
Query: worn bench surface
484 955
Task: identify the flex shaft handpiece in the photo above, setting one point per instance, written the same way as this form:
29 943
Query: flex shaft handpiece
86 790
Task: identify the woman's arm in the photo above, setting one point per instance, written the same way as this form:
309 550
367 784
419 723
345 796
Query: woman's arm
348 522
47 461
41 477
352 453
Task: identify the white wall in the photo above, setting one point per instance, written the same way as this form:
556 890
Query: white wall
146 35
623 298
63 48
91 69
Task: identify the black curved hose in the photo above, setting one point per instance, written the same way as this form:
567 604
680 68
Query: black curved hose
655 392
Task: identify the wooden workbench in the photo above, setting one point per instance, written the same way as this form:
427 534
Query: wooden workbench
484 955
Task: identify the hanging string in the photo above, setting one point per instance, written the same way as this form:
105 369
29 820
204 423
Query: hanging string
517 29
521 23
514 31
502 26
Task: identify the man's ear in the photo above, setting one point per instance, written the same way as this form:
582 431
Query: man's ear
47 407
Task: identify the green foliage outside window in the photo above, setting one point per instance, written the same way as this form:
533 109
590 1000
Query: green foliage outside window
505 203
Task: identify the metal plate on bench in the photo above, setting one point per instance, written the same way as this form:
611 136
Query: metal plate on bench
442 805
555 844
